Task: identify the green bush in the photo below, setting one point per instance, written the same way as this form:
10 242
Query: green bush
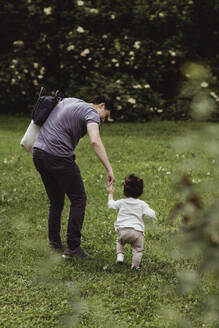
131 51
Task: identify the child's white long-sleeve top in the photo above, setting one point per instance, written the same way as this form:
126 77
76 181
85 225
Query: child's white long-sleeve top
131 213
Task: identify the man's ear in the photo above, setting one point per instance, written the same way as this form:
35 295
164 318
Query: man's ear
102 105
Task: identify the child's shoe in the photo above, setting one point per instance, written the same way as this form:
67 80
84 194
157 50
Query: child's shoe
120 258
135 268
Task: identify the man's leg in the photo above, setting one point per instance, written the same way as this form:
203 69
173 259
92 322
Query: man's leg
66 179
68 176
76 193
56 197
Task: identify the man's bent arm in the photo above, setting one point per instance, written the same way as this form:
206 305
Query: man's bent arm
97 144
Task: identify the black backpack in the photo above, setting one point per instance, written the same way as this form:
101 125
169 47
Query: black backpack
44 106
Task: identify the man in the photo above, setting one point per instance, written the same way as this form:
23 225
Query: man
54 158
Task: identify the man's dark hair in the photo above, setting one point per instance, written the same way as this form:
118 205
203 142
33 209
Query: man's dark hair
102 99
133 186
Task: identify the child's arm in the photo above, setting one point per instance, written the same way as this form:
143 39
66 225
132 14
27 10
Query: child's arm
149 213
112 204
110 192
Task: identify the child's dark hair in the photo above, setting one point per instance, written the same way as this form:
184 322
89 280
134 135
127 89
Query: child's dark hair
133 186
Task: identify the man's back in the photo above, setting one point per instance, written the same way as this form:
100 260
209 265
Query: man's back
65 126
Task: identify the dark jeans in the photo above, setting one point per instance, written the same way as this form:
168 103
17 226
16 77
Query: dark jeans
61 176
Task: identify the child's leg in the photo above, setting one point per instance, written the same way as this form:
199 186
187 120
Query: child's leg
120 247
137 249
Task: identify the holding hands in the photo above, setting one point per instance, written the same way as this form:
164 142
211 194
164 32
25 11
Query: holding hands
110 189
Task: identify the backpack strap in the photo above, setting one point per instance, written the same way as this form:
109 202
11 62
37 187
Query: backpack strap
58 95
41 91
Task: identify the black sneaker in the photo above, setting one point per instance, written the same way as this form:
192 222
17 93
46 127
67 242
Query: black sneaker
78 251
56 247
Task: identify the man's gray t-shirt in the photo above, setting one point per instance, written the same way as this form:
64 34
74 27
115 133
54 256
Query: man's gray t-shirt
64 127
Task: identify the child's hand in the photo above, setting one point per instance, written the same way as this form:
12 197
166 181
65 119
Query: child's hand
110 188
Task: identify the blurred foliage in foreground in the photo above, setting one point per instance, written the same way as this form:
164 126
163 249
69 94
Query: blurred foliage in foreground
198 235
136 52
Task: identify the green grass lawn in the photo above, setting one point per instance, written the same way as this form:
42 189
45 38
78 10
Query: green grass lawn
40 289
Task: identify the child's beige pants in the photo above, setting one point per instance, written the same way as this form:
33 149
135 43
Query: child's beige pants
135 239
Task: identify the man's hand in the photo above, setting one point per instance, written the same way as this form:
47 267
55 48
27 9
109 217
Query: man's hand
110 177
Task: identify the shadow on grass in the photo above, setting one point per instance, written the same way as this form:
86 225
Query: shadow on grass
99 265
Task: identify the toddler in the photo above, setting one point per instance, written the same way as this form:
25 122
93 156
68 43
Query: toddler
129 225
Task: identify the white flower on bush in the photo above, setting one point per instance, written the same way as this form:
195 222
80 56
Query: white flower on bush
160 110
118 98
172 53
161 14
137 44
104 36
80 3
35 82
213 94
204 84
131 53
47 11
42 70
117 64
132 101
113 16
35 65
85 52
94 11
114 60
80 29
43 37
70 47
147 86
14 61
137 86
13 81
118 81
159 52
173 62
18 43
